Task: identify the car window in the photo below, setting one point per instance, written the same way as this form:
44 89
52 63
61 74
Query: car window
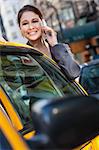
27 77
25 82
89 78
67 87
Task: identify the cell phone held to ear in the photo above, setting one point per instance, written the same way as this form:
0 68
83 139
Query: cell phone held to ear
47 33
44 23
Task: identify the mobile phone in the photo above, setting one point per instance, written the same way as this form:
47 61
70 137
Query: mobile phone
44 23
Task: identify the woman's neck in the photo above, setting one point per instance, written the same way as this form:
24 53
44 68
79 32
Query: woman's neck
38 44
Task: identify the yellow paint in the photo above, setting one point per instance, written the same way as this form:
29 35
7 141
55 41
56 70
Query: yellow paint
5 43
95 143
29 135
12 136
10 110
82 88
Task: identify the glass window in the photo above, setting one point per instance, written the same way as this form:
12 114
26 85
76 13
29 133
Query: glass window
11 23
63 84
31 77
14 35
25 82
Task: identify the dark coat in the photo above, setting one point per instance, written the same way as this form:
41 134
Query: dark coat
62 55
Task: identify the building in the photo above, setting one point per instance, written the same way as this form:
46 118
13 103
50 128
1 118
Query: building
59 14
9 9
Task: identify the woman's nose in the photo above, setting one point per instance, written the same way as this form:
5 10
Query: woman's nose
31 26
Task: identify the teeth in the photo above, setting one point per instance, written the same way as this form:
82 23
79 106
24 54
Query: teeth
32 33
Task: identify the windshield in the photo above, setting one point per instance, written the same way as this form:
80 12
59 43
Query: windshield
27 80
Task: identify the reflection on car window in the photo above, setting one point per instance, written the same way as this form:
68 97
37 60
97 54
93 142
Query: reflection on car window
25 82
30 77
67 87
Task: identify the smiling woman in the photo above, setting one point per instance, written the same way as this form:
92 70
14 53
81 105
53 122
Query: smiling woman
30 23
30 26
44 38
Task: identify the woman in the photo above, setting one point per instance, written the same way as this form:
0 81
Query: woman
44 38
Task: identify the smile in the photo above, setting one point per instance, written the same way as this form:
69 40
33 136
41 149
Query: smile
32 33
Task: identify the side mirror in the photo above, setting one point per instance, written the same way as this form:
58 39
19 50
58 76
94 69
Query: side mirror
68 122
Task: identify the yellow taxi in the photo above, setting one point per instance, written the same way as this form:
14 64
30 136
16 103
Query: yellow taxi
9 137
27 76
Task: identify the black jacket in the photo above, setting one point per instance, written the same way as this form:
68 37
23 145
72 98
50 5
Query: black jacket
62 55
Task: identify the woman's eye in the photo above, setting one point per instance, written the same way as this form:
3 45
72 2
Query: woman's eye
25 23
35 21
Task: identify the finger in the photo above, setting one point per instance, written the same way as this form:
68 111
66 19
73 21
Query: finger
47 29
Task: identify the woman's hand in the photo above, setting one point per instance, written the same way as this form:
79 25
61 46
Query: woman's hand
50 35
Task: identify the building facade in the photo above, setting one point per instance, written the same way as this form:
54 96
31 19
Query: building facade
9 9
59 14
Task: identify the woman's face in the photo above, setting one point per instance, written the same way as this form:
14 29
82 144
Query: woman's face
30 26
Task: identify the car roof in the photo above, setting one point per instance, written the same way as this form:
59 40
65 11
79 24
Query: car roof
22 47
14 44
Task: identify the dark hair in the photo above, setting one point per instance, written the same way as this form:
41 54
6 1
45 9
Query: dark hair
28 8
